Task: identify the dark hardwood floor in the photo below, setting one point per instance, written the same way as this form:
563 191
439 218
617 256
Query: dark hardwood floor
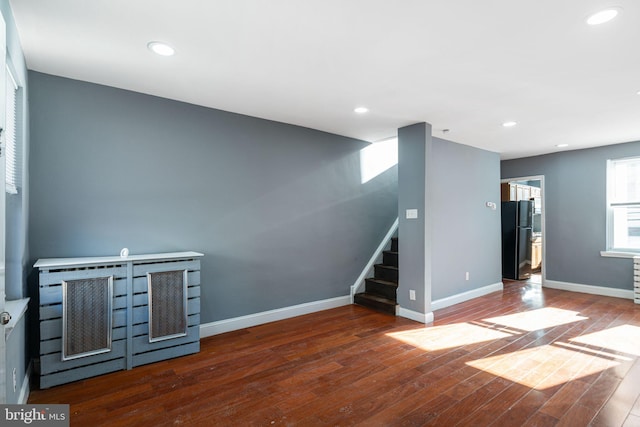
522 357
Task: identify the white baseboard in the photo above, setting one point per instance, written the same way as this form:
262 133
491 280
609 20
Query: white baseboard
414 315
233 324
589 289
465 296
25 390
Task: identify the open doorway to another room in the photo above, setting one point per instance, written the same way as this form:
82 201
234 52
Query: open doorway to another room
523 232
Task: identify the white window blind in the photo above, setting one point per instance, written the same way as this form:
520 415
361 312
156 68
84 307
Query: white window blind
624 204
12 170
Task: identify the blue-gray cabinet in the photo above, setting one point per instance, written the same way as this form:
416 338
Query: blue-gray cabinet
103 314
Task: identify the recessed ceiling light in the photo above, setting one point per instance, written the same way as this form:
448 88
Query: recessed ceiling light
603 16
161 48
509 124
562 145
361 110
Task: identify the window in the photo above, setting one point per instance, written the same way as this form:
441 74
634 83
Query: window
623 210
378 157
12 171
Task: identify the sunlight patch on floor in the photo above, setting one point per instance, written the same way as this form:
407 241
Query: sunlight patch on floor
623 339
544 366
534 320
448 336
591 350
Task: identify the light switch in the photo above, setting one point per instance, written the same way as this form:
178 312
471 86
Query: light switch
412 213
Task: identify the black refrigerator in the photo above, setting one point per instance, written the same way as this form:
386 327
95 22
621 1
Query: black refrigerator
517 222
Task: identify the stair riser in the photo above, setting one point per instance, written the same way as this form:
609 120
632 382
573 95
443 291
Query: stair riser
386 273
394 244
381 289
390 258
376 305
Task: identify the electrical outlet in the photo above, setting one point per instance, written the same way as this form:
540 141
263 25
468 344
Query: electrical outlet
15 380
412 295
466 276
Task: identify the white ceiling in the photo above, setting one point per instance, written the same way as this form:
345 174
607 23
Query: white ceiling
463 65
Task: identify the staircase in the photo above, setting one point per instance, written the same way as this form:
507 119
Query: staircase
380 290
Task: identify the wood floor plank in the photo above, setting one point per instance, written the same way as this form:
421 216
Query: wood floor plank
495 407
558 404
632 421
540 419
460 408
522 410
588 405
621 403
636 407
524 356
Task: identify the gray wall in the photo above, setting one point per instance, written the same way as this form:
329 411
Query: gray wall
414 235
575 214
455 231
466 233
279 210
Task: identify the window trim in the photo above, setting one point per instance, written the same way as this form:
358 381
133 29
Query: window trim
12 145
612 251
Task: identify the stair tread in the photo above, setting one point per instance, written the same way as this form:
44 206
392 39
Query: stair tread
376 303
377 298
382 281
380 290
392 267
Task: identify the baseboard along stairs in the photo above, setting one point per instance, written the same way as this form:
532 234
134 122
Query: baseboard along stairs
380 290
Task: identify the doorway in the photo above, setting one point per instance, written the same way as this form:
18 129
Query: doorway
527 246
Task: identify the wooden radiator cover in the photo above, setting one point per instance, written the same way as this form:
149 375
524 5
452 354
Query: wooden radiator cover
70 288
